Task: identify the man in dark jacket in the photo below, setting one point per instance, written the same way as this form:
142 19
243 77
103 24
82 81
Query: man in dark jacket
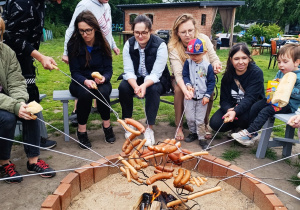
24 21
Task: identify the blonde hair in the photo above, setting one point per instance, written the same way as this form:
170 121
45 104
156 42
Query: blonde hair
2 28
175 41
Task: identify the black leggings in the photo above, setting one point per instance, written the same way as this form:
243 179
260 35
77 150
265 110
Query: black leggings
85 100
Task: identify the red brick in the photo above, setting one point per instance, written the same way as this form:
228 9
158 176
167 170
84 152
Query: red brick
64 192
280 208
205 167
52 202
248 186
218 171
235 181
260 198
86 177
46 209
73 180
190 164
113 159
100 172
275 201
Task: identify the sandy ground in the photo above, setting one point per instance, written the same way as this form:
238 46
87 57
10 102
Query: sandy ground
33 190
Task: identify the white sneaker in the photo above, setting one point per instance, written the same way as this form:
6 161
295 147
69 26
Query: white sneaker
127 133
149 136
298 189
298 175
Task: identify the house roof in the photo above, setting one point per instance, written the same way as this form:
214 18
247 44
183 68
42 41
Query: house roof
185 4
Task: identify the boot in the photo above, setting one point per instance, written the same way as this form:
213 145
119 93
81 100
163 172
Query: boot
203 143
109 135
84 140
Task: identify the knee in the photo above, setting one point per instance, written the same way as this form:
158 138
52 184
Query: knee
215 122
153 90
124 87
85 96
8 120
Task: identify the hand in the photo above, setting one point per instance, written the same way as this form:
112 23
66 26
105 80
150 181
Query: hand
47 62
294 121
116 51
230 115
23 113
217 67
65 59
90 84
140 91
190 88
98 81
205 100
188 95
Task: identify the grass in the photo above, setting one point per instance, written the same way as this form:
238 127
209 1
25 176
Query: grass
231 154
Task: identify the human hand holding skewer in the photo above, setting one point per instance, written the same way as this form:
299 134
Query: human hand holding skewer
294 121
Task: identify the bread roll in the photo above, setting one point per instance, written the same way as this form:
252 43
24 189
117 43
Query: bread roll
97 75
34 107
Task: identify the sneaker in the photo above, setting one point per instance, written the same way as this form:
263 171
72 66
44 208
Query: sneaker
298 189
203 144
84 140
109 134
94 110
8 170
149 136
191 137
244 138
298 175
40 167
47 143
127 133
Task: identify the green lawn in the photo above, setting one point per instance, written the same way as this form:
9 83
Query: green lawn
55 80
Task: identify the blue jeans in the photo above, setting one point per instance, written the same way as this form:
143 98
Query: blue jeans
31 134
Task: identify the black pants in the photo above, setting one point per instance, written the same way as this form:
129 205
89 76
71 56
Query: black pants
152 96
85 100
261 111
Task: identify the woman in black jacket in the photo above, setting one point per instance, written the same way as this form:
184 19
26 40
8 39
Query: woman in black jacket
90 52
242 85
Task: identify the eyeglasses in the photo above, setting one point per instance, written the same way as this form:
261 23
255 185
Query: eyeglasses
143 33
87 31
189 32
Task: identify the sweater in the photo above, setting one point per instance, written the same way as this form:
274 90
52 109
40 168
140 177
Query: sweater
252 82
102 12
11 79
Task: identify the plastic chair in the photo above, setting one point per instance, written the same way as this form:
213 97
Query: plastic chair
264 45
273 53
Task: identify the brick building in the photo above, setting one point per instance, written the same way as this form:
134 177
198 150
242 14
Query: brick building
163 15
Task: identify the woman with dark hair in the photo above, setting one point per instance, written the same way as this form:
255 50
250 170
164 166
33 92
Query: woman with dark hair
90 52
145 73
241 86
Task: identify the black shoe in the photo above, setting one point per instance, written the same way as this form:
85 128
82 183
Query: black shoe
191 137
109 135
47 143
94 110
204 145
40 167
84 140
8 170
74 122
73 115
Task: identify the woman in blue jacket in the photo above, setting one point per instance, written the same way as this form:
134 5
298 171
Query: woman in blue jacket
89 52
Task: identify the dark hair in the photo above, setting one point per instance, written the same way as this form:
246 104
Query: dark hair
142 19
291 50
229 71
77 42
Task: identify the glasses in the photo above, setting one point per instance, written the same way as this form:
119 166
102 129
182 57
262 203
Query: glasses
143 33
189 32
87 31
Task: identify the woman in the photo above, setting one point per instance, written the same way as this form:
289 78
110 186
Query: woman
241 86
90 52
145 73
183 31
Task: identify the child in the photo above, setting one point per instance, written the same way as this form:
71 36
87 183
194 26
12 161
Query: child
198 76
288 61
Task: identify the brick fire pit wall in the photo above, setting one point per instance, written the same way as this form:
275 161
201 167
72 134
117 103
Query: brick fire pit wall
79 180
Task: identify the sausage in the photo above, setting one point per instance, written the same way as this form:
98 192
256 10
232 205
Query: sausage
176 202
137 133
164 169
174 158
151 148
200 180
128 174
132 162
128 165
196 181
96 74
187 187
156 177
135 124
186 177
171 149
127 141
204 179
139 146
131 145
143 164
136 177
204 192
154 155
156 171
179 177
189 156
159 147
147 154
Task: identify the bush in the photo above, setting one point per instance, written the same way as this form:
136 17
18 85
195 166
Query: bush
58 30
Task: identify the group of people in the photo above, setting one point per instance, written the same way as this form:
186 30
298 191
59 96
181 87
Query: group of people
88 48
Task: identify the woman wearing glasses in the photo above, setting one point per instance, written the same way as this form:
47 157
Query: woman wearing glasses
184 30
90 52
145 73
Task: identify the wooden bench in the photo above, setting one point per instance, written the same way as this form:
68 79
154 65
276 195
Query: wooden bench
286 142
64 96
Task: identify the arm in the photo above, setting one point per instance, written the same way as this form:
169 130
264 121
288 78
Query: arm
75 68
108 70
225 96
186 73
211 81
128 64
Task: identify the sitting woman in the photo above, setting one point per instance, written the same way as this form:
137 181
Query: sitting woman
145 72
90 52
241 86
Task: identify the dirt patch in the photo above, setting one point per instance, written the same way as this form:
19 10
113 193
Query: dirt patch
33 190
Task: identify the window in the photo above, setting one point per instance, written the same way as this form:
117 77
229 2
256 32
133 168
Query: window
203 19
131 18
150 16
